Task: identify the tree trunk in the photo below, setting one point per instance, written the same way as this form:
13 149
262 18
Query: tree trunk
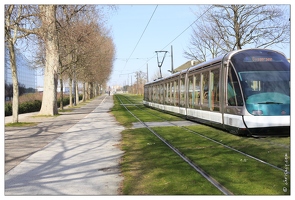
61 104
10 41
91 90
49 100
87 91
71 91
77 93
84 92
15 99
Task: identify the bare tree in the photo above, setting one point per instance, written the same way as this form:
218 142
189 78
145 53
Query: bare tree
203 43
140 81
84 48
257 25
41 21
240 26
13 17
95 60
48 33
48 23
68 16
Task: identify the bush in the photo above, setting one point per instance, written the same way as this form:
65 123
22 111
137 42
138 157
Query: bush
26 107
8 109
28 104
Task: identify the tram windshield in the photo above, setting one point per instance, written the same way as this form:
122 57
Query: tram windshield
264 76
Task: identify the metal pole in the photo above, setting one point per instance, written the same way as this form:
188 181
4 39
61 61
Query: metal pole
147 72
172 59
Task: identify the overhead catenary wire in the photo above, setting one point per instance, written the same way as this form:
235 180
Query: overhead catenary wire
141 36
179 34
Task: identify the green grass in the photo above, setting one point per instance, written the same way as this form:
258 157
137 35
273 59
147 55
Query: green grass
122 116
144 114
68 109
21 124
149 167
240 174
270 149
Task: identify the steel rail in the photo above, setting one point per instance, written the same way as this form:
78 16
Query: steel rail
224 145
193 165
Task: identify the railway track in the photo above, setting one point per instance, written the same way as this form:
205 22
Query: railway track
215 141
220 187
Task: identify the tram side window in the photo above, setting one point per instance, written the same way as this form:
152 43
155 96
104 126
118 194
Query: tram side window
156 94
205 89
234 97
165 93
161 94
153 93
167 85
191 96
214 90
197 91
145 93
176 101
172 92
169 93
182 92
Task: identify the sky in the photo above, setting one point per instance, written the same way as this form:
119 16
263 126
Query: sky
140 30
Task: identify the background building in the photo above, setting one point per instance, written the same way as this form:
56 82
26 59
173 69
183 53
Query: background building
26 73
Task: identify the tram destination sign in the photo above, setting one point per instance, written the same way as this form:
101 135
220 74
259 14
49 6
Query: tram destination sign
261 59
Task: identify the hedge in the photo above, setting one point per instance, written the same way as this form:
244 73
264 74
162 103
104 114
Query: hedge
33 106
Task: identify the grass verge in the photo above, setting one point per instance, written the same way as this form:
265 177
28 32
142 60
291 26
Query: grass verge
149 167
21 124
240 174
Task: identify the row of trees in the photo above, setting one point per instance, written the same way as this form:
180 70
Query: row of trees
223 28
72 44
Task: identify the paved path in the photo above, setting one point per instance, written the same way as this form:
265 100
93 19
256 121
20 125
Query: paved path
73 154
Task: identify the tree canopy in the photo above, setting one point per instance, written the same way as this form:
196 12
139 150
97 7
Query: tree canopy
73 44
224 28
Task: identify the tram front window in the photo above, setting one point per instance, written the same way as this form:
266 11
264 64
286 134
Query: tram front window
265 81
266 86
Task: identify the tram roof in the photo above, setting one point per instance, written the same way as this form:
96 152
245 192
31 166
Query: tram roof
226 56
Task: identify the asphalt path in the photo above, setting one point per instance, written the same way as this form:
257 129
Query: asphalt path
75 153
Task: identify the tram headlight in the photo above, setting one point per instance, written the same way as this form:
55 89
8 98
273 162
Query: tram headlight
257 112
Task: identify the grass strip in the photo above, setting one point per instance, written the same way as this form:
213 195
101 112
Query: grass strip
240 174
269 149
145 173
149 167
21 124
144 114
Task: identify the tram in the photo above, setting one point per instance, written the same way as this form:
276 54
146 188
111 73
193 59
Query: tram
246 92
